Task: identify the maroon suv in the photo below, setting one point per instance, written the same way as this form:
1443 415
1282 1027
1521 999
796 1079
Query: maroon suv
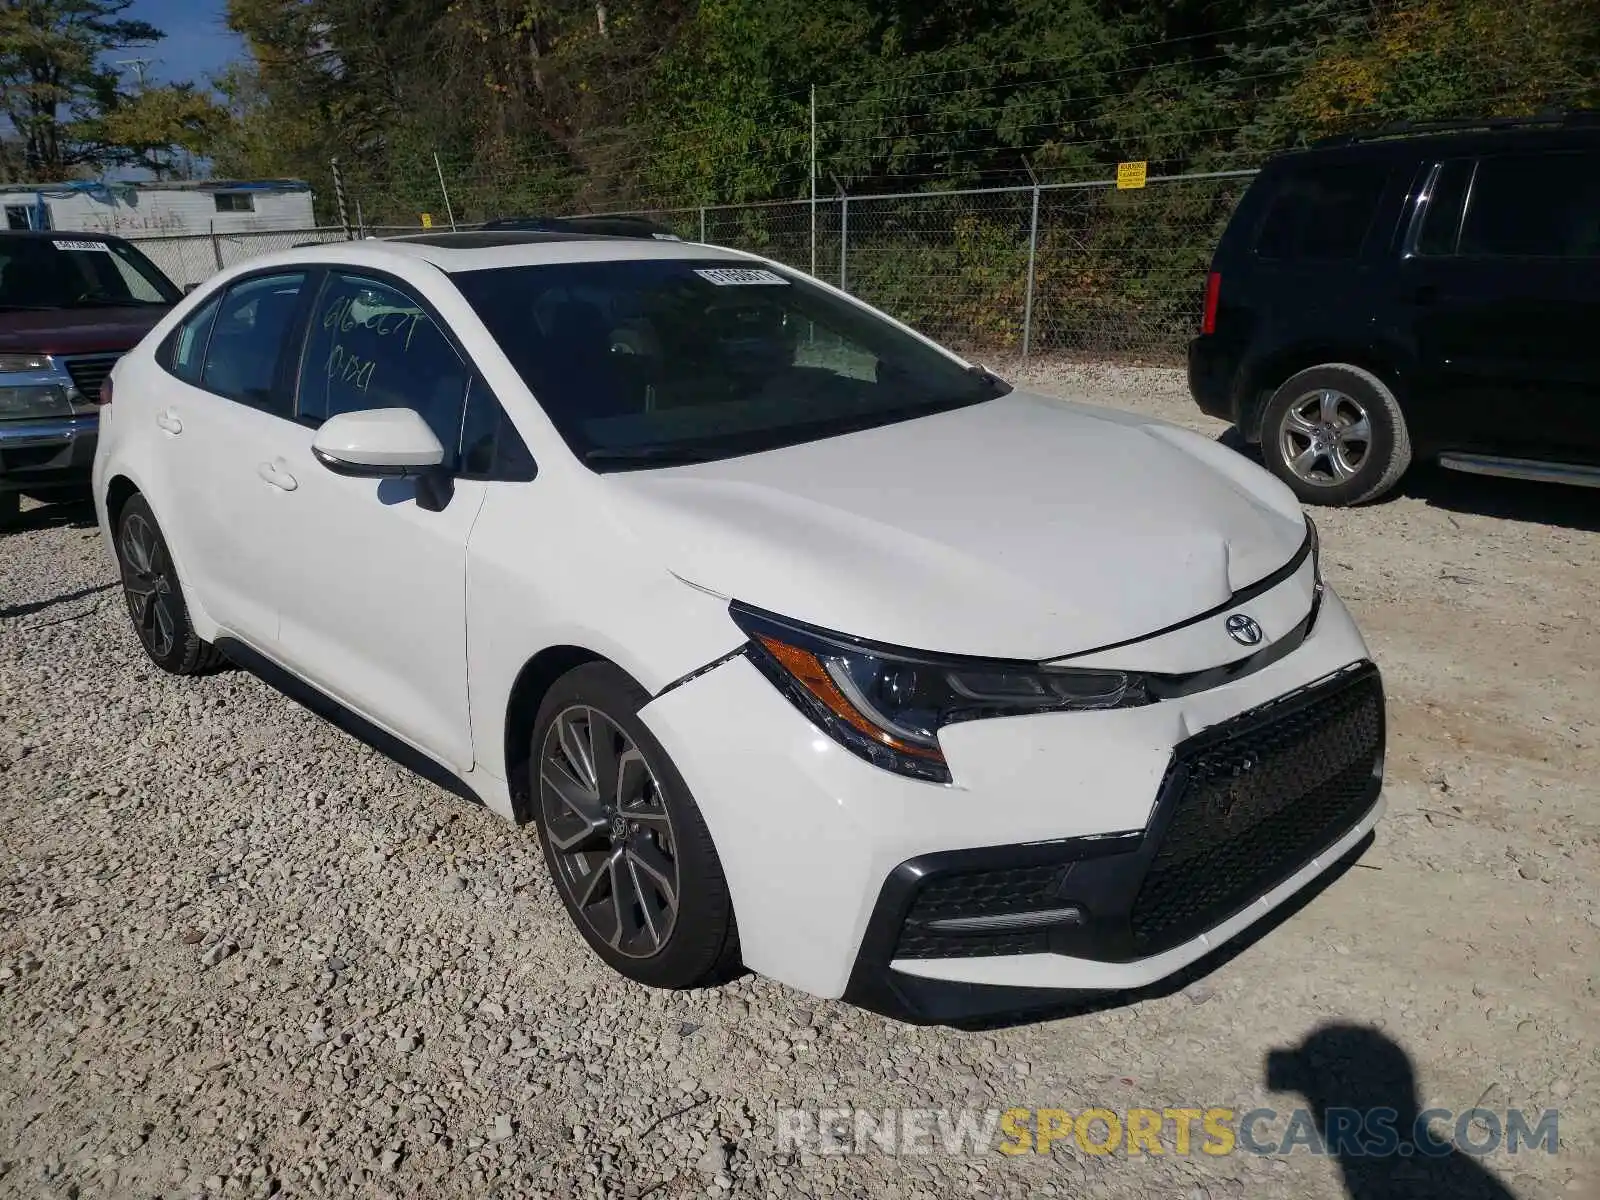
70 305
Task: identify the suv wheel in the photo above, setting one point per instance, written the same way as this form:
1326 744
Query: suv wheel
625 843
10 508
1335 434
155 598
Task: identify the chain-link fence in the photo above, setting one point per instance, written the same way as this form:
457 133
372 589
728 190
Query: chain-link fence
1086 269
189 258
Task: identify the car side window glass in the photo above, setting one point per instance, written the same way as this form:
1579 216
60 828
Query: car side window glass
1322 214
1441 220
247 340
188 345
373 346
1544 205
490 445
480 429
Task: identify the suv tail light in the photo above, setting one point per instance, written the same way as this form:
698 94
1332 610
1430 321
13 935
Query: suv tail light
105 392
1208 320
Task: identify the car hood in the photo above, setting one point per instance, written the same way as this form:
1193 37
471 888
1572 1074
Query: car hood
77 330
1025 527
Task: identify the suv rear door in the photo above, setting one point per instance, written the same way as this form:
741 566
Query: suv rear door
1501 274
1305 257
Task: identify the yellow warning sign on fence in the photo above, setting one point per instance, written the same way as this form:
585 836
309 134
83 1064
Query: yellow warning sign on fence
1131 174
427 218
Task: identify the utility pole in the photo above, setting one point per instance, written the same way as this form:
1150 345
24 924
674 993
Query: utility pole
139 66
813 179
448 211
1033 255
338 196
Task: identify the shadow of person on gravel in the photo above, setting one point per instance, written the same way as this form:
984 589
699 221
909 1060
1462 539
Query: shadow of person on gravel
1347 1071
12 611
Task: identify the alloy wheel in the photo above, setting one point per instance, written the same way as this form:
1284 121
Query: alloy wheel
610 831
147 584
1326 437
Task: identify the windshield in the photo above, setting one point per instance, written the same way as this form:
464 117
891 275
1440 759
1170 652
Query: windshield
75 271
646 363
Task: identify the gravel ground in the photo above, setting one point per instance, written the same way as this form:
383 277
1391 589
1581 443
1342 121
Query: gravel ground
241 954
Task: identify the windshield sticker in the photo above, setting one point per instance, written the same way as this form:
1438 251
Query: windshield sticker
100 246
736 276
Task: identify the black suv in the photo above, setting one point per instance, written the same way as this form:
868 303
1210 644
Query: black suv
1432 292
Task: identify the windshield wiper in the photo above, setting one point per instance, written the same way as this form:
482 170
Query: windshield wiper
653 456
110 302
999 386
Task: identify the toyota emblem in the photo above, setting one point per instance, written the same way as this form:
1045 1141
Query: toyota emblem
1243 630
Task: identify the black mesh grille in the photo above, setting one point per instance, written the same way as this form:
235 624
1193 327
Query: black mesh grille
88 371
979 894
1243 806
1256 807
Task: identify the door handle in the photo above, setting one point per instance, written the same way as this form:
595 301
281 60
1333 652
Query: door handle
168 421
277 476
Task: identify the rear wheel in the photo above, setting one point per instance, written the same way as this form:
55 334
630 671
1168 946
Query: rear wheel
625 843
10 508
155 598
1336 435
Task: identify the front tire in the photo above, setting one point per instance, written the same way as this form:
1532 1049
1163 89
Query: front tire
1336 435
154 596
626 846
10 508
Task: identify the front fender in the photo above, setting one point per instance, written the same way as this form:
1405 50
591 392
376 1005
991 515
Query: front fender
614 601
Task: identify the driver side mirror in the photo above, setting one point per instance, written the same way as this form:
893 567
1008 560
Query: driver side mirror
385 443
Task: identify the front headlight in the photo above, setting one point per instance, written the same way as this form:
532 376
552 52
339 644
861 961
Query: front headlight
887 704
30 401
23 364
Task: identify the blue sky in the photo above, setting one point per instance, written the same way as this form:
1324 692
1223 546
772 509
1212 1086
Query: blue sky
197 44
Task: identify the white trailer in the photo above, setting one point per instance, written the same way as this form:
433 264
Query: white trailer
133 210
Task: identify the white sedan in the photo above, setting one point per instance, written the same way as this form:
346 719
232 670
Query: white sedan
806 645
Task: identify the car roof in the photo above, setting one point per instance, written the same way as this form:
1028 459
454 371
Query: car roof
485 250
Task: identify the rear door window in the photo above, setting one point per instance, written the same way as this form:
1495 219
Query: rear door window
1322 213
186 348
1441 219
1544 205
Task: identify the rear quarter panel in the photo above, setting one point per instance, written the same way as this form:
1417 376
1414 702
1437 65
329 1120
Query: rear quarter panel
130 448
